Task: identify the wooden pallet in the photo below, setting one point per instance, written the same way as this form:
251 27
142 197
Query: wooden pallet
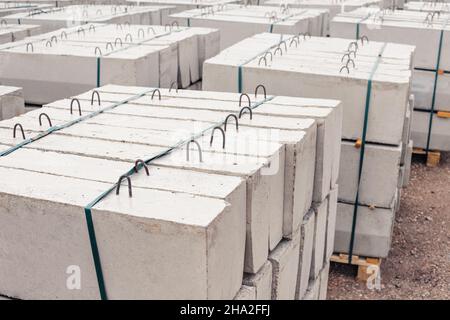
362 262
433 157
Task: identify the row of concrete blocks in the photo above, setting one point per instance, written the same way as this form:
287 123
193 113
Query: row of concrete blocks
11 102
237 22
64 157
69 61
298 267
410 27
15 32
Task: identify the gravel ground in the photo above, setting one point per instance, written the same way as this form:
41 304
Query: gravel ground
418 266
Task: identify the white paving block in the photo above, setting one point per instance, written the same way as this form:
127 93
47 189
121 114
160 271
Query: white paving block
284 261
261 281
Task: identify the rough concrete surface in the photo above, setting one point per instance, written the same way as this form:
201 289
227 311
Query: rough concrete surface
418 266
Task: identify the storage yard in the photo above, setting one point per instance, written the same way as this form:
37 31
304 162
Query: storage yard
224 149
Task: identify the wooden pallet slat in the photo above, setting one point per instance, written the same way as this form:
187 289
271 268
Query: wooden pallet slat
433 157
361 262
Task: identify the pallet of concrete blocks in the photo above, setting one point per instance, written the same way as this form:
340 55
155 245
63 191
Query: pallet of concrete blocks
56 18
372 80
15 32
428 6
7 8
333 6
70 61
237 22
428 31
11 102
250 192
183 5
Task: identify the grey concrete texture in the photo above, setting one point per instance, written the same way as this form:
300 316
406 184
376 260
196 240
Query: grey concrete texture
12 102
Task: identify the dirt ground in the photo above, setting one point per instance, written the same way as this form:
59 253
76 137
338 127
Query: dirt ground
418 266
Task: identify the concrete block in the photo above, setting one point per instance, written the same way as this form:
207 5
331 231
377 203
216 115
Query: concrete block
135 238
379 174
440 131
320 230
407 173
331 222
372 234
246 293
284 261
15 32
306 254
12 103
323 288
261 281
313 292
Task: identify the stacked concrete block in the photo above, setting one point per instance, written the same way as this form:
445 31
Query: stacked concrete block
15 32
12 103
428 6
70 16
237 22
328 68
70 61
250 186
7 8
428 31
183 5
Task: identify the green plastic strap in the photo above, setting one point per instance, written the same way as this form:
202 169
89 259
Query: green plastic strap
98 72
240 75
88 208
358 25
361 154
433 99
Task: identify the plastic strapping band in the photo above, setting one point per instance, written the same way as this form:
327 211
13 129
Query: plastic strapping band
252 58
88 208
361 155
98 72
358 24
433 99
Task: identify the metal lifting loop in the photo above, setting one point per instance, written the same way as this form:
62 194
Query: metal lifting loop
264 90
48 119
265 61
174 85
212 136
159 94
130 192
95 93
78 103
198 147
118 40
242 112
235 121
18 125
140 162
344 67
248 99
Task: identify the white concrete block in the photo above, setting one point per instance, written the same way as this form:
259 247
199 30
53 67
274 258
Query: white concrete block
134 236
323 288
284 261
261 282
320 231
379 174
313 292
407 173
331 222
246 293
15 32
306 254
12 103
372 234
440 131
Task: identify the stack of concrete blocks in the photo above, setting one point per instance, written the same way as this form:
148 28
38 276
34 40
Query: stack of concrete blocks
237 22
70 16
15 32
12 103
53 3
183 5
7 8
428 6
333 6
249 197
423 30
316 68
69 61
